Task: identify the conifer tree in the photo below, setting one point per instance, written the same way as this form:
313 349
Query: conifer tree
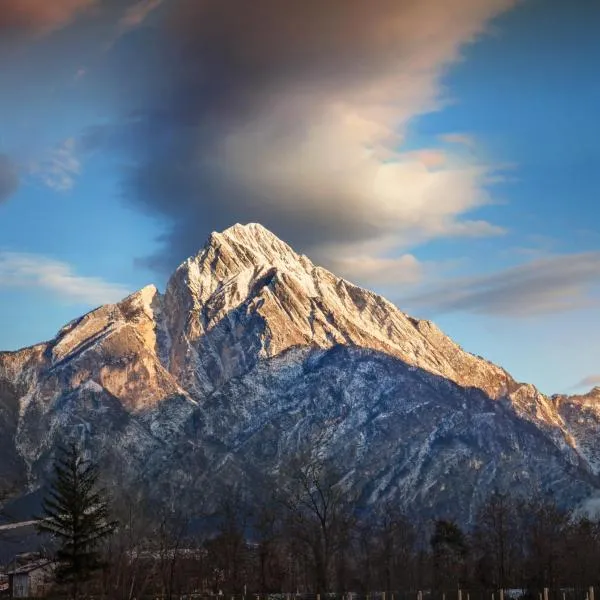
76 513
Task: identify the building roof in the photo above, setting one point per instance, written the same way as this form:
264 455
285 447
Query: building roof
33 566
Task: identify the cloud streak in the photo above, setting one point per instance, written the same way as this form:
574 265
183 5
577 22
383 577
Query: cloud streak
588 382
60 167
9 178
377 271
458 138
39 16
31 271
294 113
549 285
136 14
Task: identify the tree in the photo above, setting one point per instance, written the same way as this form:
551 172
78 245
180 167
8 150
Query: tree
545 526
270 551
171 534
497 542
76 513
450 551
130 574
319 511
228 549
395 540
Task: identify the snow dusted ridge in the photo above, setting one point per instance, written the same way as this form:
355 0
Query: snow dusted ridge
247 273
250 353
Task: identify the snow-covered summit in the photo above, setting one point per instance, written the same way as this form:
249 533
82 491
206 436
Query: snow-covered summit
245 251
247 274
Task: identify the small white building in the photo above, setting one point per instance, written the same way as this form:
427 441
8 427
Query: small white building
32 580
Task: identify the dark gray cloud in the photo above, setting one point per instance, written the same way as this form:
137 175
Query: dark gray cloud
543 286
9 178
288 113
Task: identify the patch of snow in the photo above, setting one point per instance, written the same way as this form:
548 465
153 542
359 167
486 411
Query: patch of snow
92 386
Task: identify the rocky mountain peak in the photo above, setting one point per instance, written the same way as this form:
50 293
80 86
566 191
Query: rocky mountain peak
251 349
245 279
244 252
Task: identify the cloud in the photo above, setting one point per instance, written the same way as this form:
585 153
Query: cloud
9 178
136 14
293 114
59 168
40 16
458 138
375 271
31 271
550 285
429 157
588 382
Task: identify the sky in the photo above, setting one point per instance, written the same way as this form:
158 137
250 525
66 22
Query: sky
445 153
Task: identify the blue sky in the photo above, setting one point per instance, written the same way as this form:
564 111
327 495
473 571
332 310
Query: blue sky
456 169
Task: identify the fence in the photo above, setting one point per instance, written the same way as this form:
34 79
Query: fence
461 594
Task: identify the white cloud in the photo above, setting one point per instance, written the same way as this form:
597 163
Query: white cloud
342 165
328 174
32 271
378 271
59 168
543 286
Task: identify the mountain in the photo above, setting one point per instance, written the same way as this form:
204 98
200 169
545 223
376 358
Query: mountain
254 353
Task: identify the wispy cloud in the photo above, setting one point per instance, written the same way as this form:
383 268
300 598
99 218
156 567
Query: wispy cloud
9 178
39 16
463 139
588 382
32 271
548 285
136 14
377 271
60 167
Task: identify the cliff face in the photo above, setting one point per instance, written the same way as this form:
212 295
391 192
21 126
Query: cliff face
253 352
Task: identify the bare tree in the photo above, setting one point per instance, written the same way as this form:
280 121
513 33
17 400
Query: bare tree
267 526
496 541
545 526
396 540
319 512
130 572
171 534
228 550
450 553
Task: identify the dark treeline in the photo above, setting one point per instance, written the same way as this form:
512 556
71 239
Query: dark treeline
309 534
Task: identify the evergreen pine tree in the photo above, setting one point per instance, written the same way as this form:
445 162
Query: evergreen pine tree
76 513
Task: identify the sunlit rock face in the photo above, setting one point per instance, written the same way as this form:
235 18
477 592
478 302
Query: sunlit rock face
254 352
